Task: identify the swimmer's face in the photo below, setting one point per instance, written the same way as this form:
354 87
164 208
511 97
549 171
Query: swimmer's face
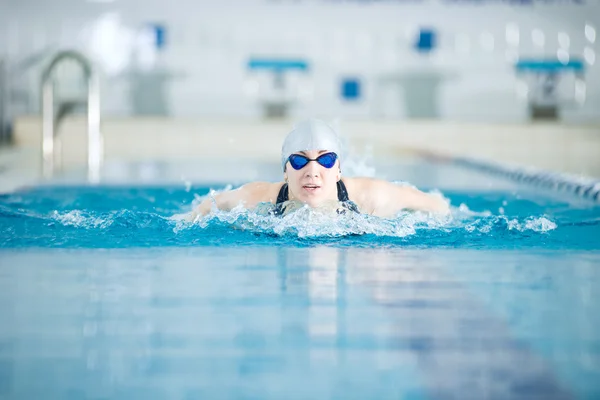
314 184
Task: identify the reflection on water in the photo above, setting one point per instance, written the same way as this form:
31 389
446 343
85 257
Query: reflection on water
315 322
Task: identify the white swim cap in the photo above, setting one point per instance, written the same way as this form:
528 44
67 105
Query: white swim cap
311 134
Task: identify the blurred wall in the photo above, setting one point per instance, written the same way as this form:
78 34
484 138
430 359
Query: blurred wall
199 70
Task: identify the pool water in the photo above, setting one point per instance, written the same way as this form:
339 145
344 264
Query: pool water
121 216
103 295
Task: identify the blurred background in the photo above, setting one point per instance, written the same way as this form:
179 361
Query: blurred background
509 80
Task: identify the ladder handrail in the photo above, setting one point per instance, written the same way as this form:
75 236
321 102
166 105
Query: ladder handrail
3 101
93 115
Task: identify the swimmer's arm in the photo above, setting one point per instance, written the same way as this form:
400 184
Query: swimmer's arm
248 195
392 199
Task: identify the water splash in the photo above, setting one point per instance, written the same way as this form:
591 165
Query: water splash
310 223
127 218
81 219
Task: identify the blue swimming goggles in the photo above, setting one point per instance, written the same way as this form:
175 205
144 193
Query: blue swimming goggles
298 161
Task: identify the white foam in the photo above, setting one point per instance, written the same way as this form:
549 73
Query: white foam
465 212
81 220
309 222
541 224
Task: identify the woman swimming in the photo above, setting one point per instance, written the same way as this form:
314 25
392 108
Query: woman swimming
311 161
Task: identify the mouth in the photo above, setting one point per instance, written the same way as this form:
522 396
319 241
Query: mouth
311 188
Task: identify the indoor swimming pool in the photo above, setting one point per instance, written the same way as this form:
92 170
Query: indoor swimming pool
104 295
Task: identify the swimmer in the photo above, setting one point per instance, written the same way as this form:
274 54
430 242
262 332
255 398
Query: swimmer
311 158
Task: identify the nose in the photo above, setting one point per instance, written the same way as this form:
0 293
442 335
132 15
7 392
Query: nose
312 169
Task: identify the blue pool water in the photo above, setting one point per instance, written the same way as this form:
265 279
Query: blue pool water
103 296
107 217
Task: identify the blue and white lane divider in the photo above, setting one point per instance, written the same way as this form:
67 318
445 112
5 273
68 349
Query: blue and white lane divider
580 186
583 187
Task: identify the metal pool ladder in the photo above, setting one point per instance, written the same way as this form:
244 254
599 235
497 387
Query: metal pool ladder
50 122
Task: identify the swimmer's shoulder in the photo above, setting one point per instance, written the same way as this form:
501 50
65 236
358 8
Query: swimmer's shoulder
362 187
370 187
383 198
379 197
364 191
261 192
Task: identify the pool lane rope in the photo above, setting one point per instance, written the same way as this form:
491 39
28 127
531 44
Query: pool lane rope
580 186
